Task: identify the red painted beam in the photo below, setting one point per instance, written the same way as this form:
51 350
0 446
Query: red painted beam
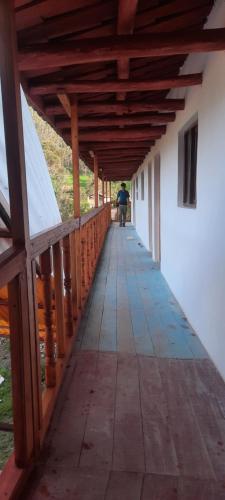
91 86
59 54
120 145
121 135
161 118
125 108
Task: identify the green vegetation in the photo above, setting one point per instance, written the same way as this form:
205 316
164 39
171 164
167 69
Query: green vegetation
6 438
59 159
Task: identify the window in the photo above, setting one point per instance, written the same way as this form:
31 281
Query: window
142 185
187 160
136 188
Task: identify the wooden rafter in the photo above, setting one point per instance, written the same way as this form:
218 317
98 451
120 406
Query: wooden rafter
112 48
118 108
142 134
161 118
121 145
118 86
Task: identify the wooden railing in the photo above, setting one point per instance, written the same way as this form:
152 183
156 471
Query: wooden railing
66 257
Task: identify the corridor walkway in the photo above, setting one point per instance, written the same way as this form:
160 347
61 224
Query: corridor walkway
142 412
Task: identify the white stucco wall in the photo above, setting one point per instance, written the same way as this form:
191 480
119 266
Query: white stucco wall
192 240
42 204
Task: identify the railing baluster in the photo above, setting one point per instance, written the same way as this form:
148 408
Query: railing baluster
67 285
59 299
88 255
37 373
86 260
50 371
78 266
82 265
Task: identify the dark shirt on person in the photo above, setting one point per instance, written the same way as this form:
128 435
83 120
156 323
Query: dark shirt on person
123 197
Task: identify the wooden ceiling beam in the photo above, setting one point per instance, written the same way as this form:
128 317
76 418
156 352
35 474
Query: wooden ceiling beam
122 162
125 26
125 108
117 86
120 145
121 135
125 154
59 54
113 168
161 119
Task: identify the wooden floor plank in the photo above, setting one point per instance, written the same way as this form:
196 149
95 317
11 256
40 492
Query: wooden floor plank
92 330
160 488
125 337
192 455
78 399
128 453
98 439
108 331
192 489
124 486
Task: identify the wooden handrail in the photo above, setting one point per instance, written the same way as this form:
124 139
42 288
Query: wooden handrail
12 263
90 215
43 240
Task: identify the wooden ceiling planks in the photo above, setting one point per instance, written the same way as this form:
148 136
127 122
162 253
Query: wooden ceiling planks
159 35
68 23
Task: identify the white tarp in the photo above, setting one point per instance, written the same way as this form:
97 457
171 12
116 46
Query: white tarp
42 204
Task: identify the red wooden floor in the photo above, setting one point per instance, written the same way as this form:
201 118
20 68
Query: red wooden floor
132 426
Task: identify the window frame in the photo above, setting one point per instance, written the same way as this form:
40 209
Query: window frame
186 173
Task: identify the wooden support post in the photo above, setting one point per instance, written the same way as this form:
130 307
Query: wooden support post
23 336
106 190
46 270
59 299
103 191
96 179
76 193
110 191
75 156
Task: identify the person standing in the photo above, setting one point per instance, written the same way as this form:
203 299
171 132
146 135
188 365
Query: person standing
122 201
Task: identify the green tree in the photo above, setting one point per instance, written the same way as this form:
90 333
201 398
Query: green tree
59 159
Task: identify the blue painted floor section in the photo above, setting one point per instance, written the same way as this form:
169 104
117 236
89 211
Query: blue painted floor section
131 308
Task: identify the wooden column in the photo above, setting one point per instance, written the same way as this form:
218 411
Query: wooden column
103 191
75 156
24 355
110 191
96 179
106 190
76 244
